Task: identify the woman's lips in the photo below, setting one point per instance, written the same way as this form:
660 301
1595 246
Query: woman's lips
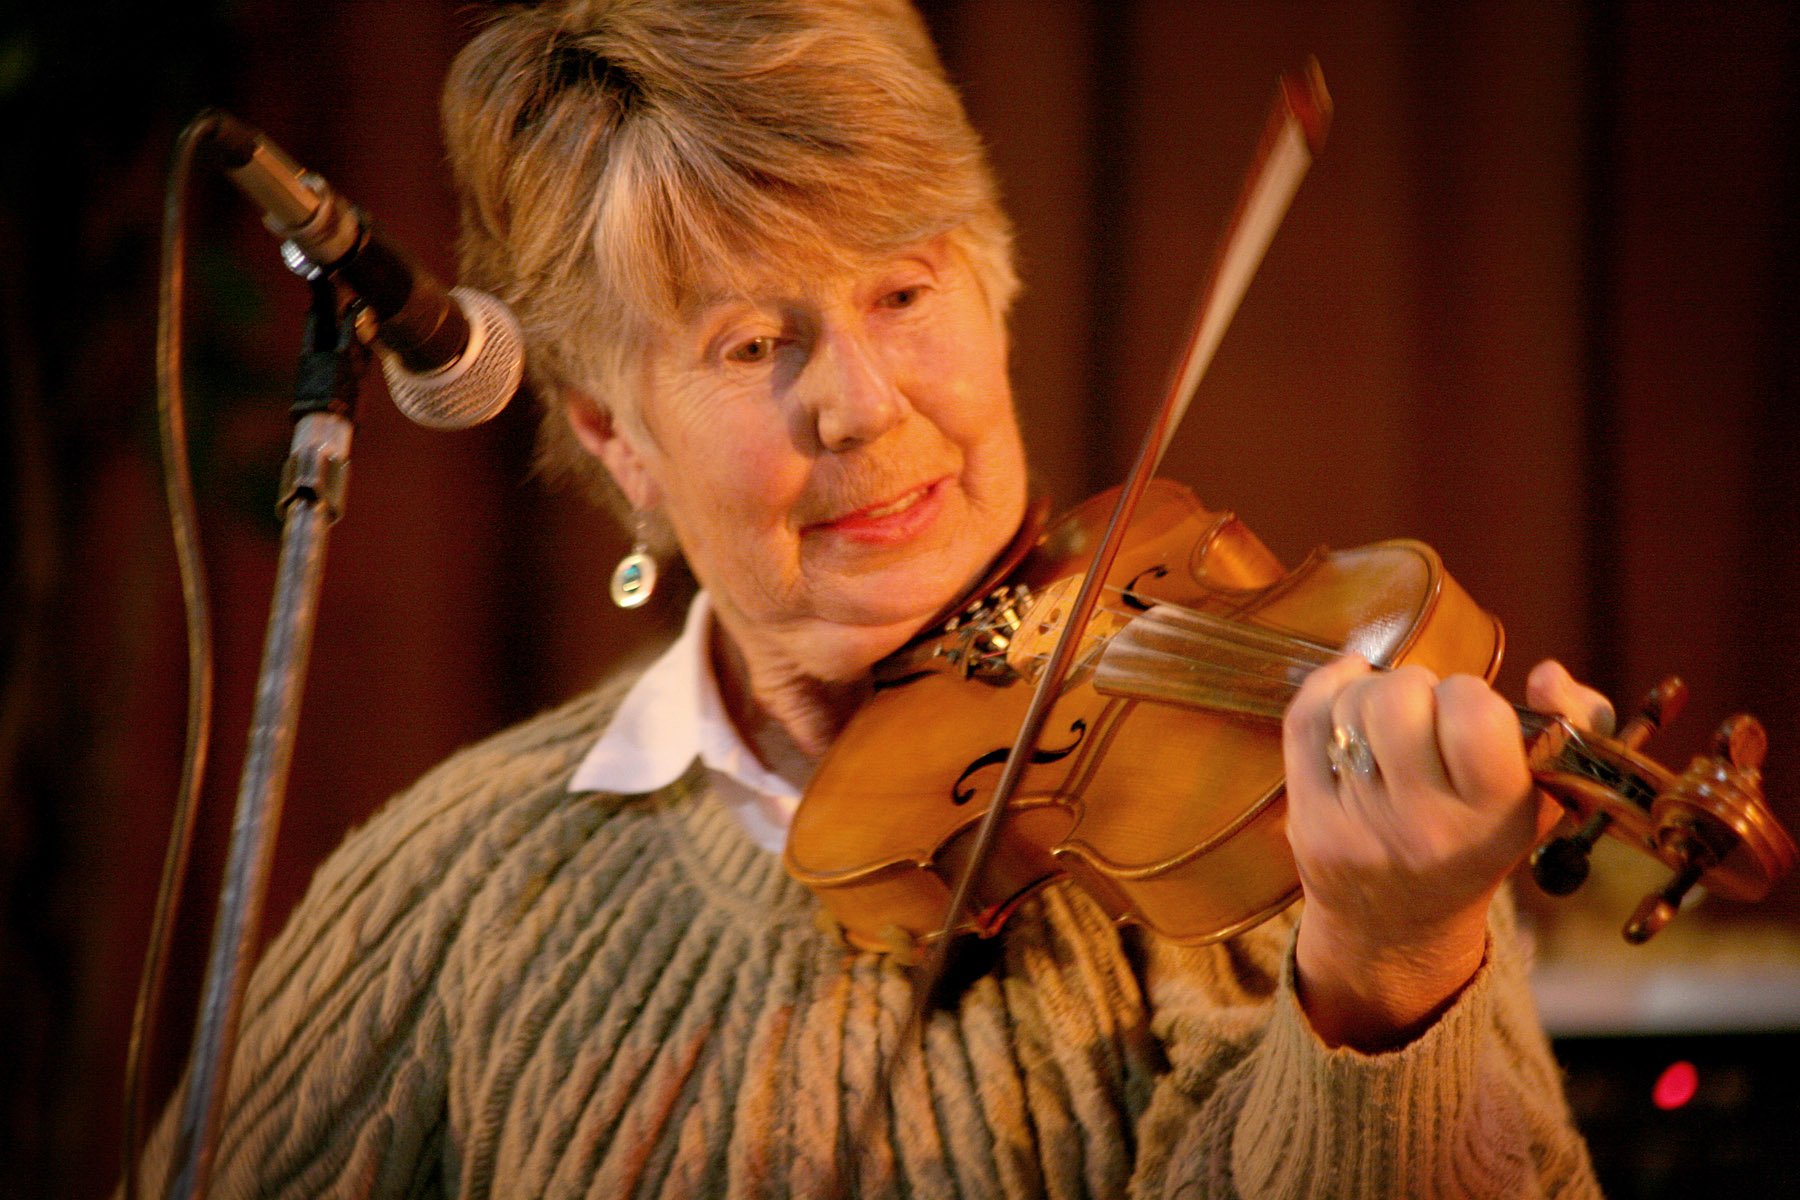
890 522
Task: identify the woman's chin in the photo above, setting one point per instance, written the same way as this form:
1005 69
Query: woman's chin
902 600
852 634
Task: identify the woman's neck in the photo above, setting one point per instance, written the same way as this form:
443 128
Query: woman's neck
787 717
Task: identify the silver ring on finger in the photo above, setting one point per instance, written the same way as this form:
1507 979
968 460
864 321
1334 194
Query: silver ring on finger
1349 752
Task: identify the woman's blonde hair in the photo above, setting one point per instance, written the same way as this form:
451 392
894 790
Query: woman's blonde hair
620 160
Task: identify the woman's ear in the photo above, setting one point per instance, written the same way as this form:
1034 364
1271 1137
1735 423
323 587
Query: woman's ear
602 435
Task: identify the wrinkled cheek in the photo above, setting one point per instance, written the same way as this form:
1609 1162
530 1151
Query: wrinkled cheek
1000 422
1005 469
758 556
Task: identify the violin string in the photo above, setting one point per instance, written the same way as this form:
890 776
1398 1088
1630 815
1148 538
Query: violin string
1270 634
1531 721
1224 632
1308 652
1225 668
1230 633
1281 688
1250 640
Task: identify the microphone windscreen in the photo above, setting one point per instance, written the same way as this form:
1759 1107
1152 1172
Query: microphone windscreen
478 384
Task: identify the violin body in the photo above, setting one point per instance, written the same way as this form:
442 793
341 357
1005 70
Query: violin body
1157 784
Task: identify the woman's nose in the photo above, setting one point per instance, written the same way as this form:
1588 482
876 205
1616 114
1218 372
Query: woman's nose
854 395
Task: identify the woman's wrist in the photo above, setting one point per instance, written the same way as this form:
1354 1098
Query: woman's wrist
1374 993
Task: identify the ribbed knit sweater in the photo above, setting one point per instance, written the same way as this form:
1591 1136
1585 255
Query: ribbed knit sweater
498 987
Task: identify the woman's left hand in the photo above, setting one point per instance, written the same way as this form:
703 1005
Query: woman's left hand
1409 802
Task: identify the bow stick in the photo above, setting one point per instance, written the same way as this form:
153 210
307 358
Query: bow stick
1293 135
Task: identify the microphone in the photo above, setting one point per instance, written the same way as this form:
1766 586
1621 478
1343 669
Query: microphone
452 358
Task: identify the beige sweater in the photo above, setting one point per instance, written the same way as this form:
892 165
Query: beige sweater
500 988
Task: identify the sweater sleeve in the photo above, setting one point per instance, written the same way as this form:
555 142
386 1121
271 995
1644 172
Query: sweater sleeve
338 1086
1255 1105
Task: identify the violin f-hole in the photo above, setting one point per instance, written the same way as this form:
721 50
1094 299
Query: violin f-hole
961 794
1130 595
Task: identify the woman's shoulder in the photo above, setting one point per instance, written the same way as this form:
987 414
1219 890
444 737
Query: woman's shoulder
447 831
349 1008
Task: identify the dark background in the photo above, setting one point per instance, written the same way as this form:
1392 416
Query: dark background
1535 305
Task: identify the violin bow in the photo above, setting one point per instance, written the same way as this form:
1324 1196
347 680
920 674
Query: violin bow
1292 137
1295 133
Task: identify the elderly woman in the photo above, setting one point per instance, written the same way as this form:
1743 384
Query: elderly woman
763 277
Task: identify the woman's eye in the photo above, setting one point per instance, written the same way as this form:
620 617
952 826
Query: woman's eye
757 349
904 297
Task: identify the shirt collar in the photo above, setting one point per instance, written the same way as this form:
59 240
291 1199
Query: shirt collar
671 716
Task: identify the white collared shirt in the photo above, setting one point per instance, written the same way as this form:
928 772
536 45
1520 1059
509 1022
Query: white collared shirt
673 715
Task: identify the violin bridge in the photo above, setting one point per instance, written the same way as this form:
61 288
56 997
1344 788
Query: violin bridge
1041 626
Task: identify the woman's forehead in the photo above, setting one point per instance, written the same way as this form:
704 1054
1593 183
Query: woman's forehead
798 281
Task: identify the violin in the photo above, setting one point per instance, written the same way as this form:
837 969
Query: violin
1158 784
1121 728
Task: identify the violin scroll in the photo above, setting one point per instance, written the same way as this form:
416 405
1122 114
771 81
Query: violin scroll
1714 828
1710 825
1560 866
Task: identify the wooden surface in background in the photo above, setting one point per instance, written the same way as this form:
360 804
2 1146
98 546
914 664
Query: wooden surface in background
1534 306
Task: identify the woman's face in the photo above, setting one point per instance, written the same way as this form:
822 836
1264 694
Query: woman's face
838 458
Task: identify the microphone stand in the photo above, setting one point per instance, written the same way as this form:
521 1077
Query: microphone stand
313 484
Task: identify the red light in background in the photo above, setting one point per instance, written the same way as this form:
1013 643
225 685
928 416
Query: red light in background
1675 1086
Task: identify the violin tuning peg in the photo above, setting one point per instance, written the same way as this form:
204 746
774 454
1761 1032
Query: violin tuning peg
1659 908
1665 701
1742 741
1662 704
1560 865
1647 920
